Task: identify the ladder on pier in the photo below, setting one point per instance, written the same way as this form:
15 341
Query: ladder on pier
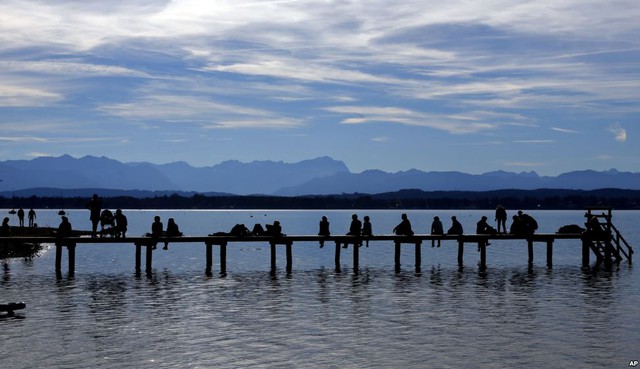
606 241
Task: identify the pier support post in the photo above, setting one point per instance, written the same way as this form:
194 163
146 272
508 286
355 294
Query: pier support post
585 252
58 258
273 256
209 252
138 257
397 256
483 253
418 256
530 251
549 253
149 257
336 257
356 257
460 252
71 249
289 258
223 258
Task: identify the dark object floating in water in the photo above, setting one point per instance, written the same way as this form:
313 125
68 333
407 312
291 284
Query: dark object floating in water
12 211
11 307
62 212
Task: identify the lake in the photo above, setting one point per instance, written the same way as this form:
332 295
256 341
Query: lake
507 315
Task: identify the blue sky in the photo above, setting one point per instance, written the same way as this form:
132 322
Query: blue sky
473 86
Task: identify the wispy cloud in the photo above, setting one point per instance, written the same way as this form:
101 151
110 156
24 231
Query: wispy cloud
199 111
564 130
619 133
534 141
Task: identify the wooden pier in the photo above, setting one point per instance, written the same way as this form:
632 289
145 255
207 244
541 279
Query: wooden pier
222 242
608 246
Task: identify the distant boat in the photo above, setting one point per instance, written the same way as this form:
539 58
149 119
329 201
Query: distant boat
13 211
62 212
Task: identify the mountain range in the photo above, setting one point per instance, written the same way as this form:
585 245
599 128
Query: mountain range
68 176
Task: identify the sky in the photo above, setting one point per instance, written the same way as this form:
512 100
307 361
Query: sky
548 86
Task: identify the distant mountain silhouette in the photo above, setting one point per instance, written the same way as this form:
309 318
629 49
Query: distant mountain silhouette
375 181
65 176
66 172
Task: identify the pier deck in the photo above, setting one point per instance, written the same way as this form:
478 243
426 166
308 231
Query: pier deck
481 240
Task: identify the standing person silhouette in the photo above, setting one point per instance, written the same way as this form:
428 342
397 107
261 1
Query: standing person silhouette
501 218
32 218
95 207
21 216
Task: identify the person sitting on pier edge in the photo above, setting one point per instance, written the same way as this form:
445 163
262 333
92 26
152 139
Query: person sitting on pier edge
5 231
64 229
501 218
404 228
274 229
456 227
516 227
323 229
482 227
367 229
355 229
436 229
172 231
121 224
32 218
529 225
94 208
156 229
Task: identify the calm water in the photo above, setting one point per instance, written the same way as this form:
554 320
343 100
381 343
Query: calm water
506 316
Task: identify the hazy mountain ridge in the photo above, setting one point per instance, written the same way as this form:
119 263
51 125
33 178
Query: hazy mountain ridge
319 176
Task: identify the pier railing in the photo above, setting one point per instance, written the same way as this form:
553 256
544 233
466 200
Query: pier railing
341 241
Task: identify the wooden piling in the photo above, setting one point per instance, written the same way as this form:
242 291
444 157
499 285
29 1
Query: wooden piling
289 258
58 258
356 257
336 257
273 256
549 253
530 251
460 252
138 257
397 256
209 255
71 249
223 258
418 256
149 257
585 252
483 253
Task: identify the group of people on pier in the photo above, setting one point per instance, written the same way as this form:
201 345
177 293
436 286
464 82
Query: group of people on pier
523 225
116 225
